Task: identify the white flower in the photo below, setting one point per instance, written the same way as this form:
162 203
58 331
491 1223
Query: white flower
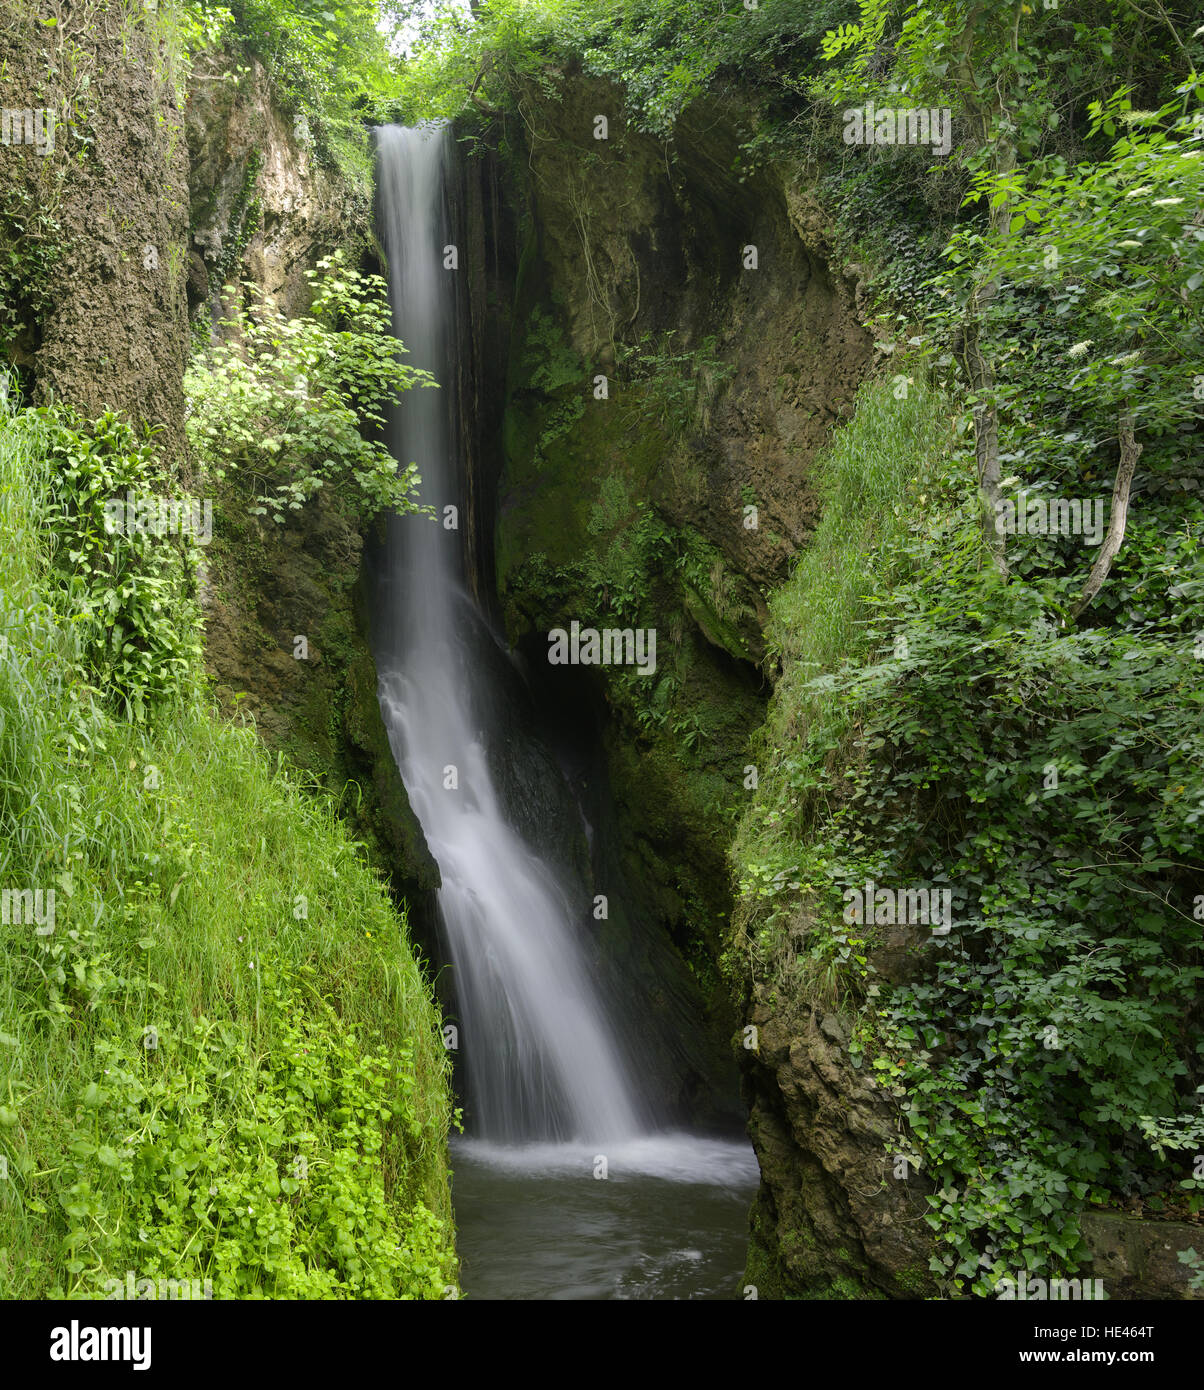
1078 349
1167 202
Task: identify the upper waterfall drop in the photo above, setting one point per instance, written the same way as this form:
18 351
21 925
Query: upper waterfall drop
542 1059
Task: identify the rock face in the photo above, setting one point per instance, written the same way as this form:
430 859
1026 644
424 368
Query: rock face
632 242
285 643
838 1214
109 326
263 208
832 1219
147 204
1137 1258
621 243
679 348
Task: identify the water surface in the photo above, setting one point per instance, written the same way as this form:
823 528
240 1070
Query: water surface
670 1221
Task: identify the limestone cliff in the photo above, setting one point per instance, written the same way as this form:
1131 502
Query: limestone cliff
93 228
680 346
265 210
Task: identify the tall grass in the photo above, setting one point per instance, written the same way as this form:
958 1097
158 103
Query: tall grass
197 885
874 483
888 449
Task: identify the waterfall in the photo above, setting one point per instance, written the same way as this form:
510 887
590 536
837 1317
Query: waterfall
541 1057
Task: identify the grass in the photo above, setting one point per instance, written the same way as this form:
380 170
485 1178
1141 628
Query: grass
227 991
873 483
863 481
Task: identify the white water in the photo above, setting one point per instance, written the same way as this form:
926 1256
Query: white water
541 1060
675 1157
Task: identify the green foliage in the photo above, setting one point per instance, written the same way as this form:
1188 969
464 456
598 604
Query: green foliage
964 738
663 53
672 385
328 60
131 595
935 726
288 402
276 1223
1112 247
222 1062
548 363
1052 780
640 546
1195 1262
245 216
30 249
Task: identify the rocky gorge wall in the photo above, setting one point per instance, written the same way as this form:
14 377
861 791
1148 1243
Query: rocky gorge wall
663 398
661 395
265 209
96 227
158 188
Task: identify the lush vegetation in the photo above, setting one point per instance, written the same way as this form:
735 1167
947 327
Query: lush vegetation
939 727
1014 717
219 1060
328 61
663 53
131 590
998 715
295 405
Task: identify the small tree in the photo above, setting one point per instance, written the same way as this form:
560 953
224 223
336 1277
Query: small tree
288 401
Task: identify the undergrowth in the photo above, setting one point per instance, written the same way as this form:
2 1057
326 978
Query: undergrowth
218 1056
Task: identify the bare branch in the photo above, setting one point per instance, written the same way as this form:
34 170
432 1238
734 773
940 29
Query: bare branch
1130 451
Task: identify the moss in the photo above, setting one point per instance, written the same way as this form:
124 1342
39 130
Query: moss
586 531
272 584
762 1273
792 1266
844 1288
245 216
714 628
916 1281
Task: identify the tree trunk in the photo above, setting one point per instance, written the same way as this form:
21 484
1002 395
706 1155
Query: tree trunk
986 439
980 374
